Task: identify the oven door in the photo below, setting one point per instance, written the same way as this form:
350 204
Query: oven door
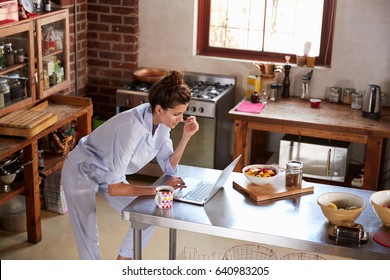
200 150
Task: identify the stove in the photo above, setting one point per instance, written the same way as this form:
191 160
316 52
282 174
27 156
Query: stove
206 91
212 96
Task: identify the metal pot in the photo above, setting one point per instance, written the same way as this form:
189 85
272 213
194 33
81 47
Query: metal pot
149 75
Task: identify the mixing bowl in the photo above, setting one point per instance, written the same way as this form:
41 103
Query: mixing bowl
380 201
340 206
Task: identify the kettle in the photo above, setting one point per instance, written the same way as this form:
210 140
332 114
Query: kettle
372 102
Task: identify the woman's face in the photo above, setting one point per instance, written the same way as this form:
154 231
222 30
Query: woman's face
170 117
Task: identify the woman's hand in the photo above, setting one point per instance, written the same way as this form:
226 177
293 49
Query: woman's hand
176 182
191 126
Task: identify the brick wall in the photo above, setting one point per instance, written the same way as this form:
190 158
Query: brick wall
112 50
107 49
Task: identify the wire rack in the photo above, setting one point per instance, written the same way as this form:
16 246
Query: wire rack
188 253
249 252
302 256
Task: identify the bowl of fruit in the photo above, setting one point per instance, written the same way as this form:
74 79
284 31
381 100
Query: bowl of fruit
340 207
260 174
380 201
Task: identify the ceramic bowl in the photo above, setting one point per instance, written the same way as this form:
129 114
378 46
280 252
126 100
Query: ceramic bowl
254 175
349 206
380 201
315 103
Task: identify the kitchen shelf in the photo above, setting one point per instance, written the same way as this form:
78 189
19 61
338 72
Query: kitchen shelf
67 109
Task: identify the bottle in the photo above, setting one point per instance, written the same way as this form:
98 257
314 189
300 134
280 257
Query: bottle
20 56
286 81
294 173
263 97
305 92
9 55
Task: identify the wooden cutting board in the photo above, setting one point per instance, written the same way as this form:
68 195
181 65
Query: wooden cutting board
275 189
26 123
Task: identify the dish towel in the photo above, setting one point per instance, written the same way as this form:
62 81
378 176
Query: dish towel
250 107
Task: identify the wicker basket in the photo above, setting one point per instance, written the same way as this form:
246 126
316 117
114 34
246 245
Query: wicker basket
14 222
302 256
249 252
192 254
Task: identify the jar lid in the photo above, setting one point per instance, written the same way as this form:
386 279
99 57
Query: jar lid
3 80
294 164
13 75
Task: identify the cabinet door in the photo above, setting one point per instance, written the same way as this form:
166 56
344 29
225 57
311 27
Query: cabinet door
52 35
17 71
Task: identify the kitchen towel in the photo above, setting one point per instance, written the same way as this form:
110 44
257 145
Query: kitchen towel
250 107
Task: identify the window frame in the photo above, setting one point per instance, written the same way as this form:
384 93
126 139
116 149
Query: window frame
203 47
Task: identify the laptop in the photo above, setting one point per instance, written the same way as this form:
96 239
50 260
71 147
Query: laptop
199 191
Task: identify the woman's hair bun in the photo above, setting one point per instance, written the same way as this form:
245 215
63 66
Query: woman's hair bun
173 78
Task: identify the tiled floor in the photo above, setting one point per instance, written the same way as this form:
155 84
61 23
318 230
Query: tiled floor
58 242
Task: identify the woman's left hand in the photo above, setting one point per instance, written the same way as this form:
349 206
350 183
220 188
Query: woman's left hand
176 182
191 126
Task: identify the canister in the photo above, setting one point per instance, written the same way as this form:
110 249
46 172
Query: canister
294 173
335 94
347 95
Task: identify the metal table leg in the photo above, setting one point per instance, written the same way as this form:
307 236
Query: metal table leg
137 244
172 244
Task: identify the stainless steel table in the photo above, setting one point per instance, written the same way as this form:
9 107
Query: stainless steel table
294 222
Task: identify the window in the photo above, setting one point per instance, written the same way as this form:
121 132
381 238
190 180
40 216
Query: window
266 30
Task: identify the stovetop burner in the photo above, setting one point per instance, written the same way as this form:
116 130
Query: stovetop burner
199 89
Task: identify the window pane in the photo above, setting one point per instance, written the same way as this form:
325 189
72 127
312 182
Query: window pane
288 25
237 24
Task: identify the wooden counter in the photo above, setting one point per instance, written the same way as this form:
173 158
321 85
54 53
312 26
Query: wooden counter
67 108
330 121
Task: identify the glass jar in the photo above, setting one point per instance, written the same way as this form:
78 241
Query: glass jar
357 100
4 93
294 173
9 55
335 94
48 40
15 87
347 95
20 56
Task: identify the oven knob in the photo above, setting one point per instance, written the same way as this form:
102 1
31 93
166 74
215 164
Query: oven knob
193 109
201 110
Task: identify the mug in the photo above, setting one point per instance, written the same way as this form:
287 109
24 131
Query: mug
164 197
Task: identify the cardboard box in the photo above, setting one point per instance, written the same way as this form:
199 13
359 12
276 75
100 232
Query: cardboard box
8 11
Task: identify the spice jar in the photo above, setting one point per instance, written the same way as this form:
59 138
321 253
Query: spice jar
9 55
357 100
294 173
4 93
15 87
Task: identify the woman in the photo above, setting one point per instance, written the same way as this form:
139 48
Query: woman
123 145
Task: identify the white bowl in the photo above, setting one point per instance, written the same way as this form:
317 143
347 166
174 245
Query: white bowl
380 201
342 200
260 180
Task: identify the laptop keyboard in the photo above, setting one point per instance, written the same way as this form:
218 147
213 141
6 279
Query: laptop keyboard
200 192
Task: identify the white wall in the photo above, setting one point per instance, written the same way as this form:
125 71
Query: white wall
361 48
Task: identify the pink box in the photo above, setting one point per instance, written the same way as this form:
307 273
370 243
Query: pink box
8 11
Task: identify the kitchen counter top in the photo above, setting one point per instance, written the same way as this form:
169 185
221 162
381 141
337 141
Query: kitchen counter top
329 121
293 222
